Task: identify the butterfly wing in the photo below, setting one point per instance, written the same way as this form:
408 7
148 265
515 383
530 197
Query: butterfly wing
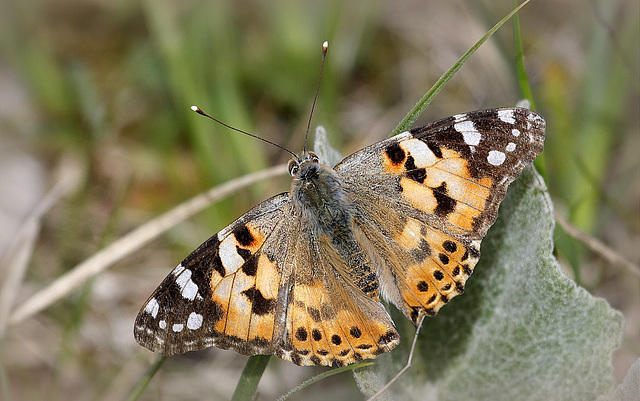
427 197
223 294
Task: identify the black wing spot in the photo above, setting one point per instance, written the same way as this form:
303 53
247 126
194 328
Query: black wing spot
301 334
336 339
395 153
474 252
243 235
316 334
250 267
446 204
216 264
438 275
449 246
259 304
443 258
435 148
417 175
410 164
245 254
423 286
355 332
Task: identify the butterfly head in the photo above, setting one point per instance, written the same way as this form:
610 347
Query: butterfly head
297 162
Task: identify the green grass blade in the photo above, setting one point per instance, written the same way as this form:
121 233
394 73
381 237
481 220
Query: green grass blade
521 72
144 381
422 104
523 82
251 375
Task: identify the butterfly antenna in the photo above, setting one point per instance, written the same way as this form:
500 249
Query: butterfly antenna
202 113
325 46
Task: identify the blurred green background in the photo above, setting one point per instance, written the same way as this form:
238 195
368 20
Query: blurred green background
100 91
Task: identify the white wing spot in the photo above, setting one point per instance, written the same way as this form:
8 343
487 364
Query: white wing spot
162 324
152 307
422 155
229 255
177 327
459 117
195 321
469 132
507 116
188 288
496 157
535 118
177 270
515 132
511 147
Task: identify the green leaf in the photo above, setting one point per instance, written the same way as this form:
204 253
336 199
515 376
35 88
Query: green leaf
523 330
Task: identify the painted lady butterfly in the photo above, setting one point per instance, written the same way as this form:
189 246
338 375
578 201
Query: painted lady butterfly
300 274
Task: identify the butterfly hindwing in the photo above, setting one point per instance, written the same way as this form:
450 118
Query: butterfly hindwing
329 320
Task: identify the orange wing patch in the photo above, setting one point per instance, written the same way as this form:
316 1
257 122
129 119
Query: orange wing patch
247 294
439 185
326 327
442 266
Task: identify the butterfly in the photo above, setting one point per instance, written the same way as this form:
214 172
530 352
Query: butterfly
301 274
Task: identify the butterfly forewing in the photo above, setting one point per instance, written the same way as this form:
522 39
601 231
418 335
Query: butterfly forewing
222 294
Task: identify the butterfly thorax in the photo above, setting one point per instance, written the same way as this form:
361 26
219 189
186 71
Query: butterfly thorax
318 197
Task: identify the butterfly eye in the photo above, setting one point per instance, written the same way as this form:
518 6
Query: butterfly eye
293 167
312 157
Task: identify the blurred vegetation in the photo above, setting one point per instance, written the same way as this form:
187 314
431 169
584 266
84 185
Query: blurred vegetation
106 87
